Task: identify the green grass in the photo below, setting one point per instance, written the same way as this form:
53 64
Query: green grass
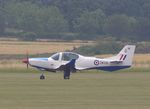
20 89
135 69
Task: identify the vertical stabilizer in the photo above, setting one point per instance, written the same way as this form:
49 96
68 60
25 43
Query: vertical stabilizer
126 55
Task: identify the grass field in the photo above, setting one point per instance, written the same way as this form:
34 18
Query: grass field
20 47
86 90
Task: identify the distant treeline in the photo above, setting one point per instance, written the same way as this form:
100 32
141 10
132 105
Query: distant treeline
111 46
75 19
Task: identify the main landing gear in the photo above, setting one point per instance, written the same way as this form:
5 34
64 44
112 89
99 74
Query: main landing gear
42 77
66 77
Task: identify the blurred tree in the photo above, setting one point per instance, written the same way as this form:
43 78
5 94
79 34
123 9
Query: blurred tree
119 25
52 20
90 22
22 16
72 9
2 17
2 23
143 29
73 15
31 18
146 9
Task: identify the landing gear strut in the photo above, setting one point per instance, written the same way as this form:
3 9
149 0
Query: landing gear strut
42 77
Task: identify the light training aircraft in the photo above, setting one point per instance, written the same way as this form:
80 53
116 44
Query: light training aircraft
71 62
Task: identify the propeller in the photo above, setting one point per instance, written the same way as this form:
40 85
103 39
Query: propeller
26 60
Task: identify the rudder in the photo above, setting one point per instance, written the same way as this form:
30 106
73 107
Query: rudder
126 54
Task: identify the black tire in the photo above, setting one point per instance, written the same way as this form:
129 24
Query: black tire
42 77
66 77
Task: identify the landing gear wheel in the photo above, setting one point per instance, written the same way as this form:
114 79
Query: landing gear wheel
42 77
66 77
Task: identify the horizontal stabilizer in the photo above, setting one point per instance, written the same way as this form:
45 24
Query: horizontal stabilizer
116 62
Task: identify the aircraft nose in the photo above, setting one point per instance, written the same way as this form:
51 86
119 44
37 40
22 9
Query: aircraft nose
25 61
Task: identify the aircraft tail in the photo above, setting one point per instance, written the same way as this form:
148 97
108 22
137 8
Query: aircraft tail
126 55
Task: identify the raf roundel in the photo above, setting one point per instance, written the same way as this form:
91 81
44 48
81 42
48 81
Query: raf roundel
96 62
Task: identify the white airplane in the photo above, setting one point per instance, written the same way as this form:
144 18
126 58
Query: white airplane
72 62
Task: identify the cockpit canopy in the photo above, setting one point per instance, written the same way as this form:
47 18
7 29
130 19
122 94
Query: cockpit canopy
69 56
64 56
55 56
